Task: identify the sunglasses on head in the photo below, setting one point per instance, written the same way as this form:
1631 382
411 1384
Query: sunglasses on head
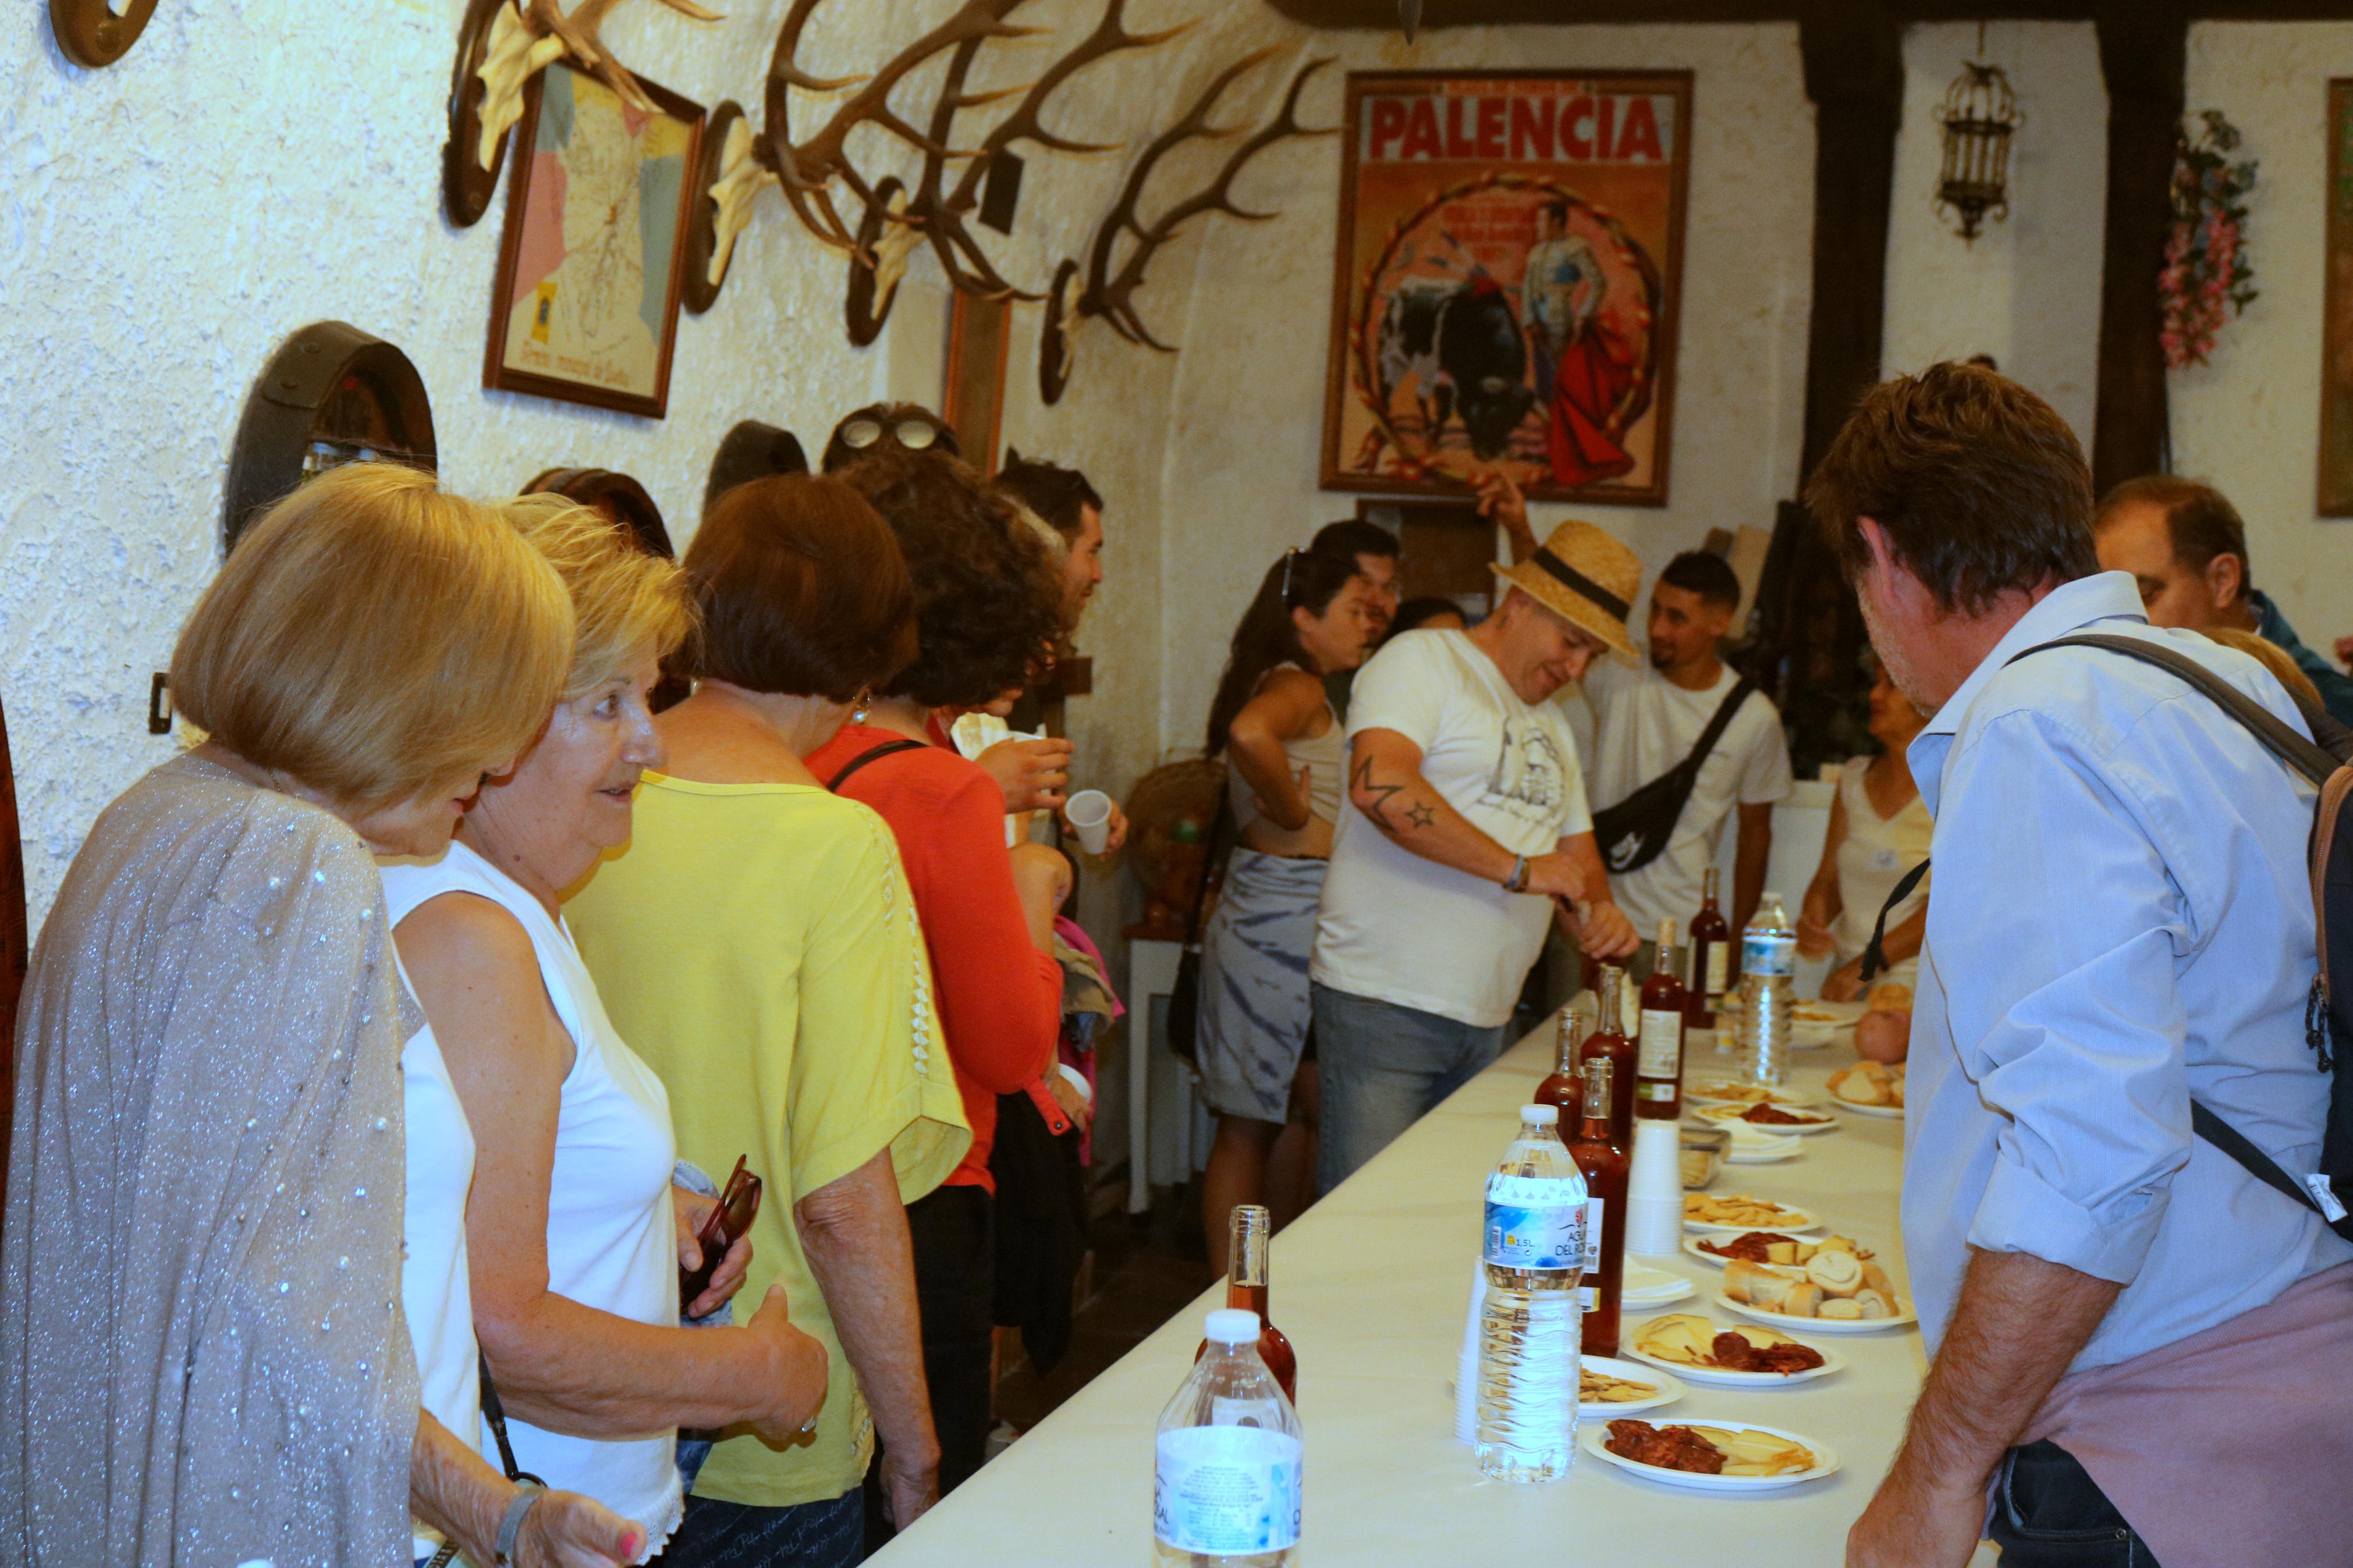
915 435
739 1205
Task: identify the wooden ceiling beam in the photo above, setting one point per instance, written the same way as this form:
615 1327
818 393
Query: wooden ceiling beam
1436 14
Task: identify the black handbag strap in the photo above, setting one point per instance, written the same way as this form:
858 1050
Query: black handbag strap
1718 725
1662 798
1209 870
1874 956
495 1413
872 754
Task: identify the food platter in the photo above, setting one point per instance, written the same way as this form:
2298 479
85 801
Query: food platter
1732 1115
1813 1023
1826 1460
1670 1387
1904 1319
1629 1348
1750 1094
1847 1107
1786 1217
1760 1149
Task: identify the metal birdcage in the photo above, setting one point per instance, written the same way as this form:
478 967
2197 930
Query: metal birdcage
1978 115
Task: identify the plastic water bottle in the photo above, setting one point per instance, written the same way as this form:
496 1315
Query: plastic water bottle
1769 964
1225 1479
1529 1333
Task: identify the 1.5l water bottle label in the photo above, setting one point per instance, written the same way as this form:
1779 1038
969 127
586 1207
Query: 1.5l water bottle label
1534 1222
1769 955
1225 1490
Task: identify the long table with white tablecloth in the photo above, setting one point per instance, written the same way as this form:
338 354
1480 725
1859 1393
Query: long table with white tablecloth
1371 1285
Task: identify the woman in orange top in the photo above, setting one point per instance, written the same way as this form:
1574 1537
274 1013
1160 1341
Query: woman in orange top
987 601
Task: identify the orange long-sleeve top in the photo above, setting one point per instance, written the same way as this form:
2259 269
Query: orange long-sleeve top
1000 999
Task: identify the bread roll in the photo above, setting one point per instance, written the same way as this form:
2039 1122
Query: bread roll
1870 1305
1875 1277
1889 997
1845 1310
1837 1273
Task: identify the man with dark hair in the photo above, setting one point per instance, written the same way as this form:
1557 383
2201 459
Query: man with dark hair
1068 504
1648 721
2187 548
2135 1343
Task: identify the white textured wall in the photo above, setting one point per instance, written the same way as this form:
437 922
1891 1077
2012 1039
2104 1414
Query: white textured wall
2250 421
253 165
2027 290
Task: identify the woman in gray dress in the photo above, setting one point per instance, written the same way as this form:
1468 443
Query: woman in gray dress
203 1355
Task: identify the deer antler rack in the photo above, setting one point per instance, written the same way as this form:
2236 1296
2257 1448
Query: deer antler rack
501 44
1110 293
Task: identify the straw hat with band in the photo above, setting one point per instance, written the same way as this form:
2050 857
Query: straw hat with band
1586 577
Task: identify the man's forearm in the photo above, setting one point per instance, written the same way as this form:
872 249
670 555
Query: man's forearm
2019 1321
854 1232
1406 807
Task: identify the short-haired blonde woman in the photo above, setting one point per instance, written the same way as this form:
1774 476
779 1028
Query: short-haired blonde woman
203 1357
570 1230
757 943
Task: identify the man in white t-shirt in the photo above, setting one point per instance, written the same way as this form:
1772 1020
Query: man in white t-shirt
1649 719
1467 822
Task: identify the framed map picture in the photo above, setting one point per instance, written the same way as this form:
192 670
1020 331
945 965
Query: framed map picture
1510 264
586 305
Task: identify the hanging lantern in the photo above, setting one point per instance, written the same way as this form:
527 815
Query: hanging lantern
1978 115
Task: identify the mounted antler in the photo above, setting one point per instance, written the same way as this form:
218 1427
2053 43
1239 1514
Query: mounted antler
808 169
503 44
1111 294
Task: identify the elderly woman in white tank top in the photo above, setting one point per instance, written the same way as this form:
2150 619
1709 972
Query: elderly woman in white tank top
1878 830
572 1227
1287 755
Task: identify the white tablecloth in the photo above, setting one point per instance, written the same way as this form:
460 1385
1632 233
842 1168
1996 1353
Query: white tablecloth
1371 1285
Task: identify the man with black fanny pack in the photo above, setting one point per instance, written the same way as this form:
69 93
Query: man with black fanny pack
2141 1352
1679 744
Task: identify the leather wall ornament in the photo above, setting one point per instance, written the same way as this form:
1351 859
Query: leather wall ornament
729 176
91 34
467 186
331 394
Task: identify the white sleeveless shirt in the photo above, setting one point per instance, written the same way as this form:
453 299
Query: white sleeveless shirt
434 1294
611 1237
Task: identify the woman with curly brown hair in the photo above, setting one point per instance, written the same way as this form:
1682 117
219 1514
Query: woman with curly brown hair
987 601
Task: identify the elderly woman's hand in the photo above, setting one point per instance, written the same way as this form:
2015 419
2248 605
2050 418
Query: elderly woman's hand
692 1209
566 1529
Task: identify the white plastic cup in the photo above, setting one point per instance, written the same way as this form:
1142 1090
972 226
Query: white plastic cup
1654 1191
1089 814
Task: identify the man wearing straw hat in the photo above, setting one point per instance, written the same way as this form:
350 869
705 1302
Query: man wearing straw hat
1470 821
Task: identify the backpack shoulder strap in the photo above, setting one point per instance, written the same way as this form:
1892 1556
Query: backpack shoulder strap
2314 762
872 754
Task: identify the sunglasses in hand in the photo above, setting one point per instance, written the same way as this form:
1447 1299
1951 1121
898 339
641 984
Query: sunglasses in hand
739 1205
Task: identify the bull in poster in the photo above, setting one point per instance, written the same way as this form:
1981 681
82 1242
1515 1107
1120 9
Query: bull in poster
1510 257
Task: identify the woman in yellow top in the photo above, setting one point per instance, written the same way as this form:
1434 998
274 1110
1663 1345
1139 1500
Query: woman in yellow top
756 942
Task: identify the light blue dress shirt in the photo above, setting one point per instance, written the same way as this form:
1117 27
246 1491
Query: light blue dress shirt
2122 920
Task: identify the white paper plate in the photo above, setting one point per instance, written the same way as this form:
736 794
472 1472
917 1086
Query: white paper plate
1851 1109
1905 1318
1830 1016
1698 1094
1727 1115
1630 1300
1670 1387
1722 1378
1749 1148
1826 1459
1792 1221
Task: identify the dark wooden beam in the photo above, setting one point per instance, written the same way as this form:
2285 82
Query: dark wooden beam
2143 47
1383 13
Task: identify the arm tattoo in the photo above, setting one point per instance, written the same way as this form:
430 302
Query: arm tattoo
1419 813
1379 810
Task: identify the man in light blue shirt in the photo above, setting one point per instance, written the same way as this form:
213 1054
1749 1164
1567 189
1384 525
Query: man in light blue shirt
2121 923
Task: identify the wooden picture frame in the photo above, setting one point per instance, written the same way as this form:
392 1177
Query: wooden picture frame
2335 497
1440 370
577 311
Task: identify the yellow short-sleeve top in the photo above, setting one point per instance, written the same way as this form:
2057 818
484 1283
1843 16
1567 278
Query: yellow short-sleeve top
757 945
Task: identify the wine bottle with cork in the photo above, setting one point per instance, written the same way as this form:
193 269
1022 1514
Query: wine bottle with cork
1607 1042
1659 1057
1711 960
1563 1090
1253 1227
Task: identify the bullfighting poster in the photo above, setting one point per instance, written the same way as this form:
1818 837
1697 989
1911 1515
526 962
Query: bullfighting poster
1510 260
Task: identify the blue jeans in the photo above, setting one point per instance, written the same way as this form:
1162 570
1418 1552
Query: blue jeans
1383 1066
830 1535
2048 1512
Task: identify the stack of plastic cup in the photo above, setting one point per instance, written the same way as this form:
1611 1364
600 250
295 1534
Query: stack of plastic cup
1466 1370
1654 1191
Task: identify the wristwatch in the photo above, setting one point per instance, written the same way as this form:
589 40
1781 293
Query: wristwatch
1517 883
511 1527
